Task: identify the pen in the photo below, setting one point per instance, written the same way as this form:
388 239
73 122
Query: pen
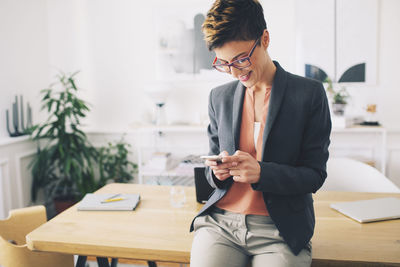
114 196
112 200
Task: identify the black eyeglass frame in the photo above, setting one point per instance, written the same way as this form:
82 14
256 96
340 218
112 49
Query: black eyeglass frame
226 68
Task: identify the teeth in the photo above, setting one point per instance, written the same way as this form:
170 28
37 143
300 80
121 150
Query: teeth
244 76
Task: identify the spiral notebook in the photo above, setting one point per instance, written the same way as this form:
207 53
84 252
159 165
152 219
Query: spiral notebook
102 202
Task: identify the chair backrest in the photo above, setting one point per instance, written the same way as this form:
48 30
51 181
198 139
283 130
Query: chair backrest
13 248
345 174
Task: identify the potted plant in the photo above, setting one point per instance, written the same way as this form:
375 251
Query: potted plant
114 165
338 97
63 165
66 165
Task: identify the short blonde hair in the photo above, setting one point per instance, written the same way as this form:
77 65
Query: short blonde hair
233 20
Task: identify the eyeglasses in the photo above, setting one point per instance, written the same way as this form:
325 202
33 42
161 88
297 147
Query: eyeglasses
240 63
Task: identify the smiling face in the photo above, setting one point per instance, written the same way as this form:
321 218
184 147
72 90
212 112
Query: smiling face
261 70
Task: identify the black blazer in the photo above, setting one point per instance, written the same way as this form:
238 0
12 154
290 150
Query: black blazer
294 152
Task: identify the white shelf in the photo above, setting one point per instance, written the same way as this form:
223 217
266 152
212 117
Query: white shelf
12 140
380 134
180 146
158 173
168 173
173 128
203 128
148 128
360 129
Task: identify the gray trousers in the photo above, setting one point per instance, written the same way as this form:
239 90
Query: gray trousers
228 239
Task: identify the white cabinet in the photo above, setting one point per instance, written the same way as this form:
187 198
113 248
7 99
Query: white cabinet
364 143
16 154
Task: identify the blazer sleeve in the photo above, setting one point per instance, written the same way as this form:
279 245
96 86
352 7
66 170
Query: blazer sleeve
213 139
309 173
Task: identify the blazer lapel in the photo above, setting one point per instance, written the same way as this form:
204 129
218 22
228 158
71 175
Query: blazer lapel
237 113
277 94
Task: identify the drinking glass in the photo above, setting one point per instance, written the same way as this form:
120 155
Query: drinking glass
177 197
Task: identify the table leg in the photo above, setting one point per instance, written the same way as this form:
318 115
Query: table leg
102 262
152 264
114 262
81 261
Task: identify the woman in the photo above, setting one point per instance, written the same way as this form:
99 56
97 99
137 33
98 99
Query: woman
272 130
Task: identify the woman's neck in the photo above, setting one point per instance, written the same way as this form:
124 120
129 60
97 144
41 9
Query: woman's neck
268 78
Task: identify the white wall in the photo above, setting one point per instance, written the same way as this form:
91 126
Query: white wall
280 18
24 55
122 40
121 57
113 44
388 92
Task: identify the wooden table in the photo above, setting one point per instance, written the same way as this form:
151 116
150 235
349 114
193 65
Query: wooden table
155 231
340 241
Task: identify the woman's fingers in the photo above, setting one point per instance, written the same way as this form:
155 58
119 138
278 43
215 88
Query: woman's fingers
224 171
210 163
239 156
222 174
235 172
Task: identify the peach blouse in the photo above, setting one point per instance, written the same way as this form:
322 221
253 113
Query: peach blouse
241 198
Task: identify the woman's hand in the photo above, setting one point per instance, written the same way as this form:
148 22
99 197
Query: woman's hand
245 168
220 170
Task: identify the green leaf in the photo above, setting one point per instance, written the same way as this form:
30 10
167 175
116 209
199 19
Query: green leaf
69 165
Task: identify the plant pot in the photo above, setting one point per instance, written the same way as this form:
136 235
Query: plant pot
338 109
61 204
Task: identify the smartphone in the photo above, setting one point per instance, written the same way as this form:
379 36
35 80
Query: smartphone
216 158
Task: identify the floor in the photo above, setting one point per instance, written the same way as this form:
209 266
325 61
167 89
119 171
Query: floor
131 263
94 264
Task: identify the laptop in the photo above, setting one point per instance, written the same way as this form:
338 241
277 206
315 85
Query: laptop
203 188
370 210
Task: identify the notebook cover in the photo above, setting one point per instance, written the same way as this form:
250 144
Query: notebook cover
95 202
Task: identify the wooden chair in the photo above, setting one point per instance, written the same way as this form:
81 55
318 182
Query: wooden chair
13 248
345 174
